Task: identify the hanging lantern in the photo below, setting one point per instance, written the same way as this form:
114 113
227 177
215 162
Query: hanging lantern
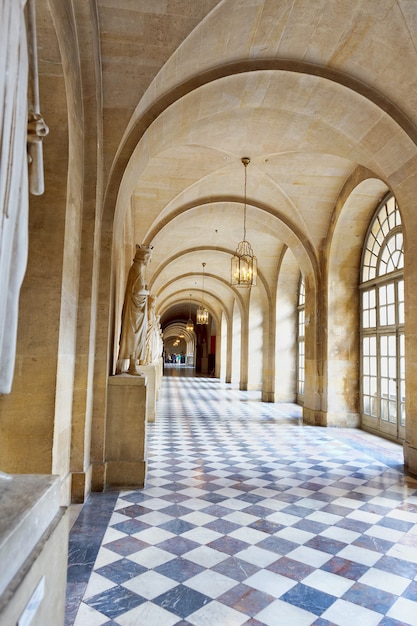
244 263
202 312
190 324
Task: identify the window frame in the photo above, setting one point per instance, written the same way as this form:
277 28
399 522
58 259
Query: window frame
300 334
382 371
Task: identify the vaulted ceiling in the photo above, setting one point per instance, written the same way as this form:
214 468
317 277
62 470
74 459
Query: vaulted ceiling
309 91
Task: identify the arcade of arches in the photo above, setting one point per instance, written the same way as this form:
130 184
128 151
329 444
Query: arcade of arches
151 106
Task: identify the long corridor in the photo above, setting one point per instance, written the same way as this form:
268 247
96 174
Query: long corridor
248 517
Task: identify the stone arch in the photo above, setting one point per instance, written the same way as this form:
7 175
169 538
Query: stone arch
286 320
355 207
176 328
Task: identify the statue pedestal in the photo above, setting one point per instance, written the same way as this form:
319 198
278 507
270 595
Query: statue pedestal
150 372
33 551
126 432
159 375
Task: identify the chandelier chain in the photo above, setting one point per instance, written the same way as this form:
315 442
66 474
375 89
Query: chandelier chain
245 161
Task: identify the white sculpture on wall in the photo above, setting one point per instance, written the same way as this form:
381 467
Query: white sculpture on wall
21 132
154 343
135 314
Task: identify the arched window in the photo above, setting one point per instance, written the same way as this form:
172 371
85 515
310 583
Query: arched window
382 324
300 339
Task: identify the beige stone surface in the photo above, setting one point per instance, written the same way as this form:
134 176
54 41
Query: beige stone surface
126 432
34 546
151 105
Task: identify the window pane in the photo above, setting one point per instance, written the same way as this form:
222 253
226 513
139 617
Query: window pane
400 288
391 314
301 331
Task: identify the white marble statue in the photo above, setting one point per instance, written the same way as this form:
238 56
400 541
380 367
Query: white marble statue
135 314
153 337
19 102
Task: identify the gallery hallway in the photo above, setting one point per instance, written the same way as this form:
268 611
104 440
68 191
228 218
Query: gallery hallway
248 517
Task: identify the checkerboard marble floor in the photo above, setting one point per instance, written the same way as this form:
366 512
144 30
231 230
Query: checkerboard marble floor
249 518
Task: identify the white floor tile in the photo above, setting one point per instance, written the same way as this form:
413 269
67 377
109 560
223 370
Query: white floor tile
205 556
210 583
198 518
105 557
112 534
86 615
201 535
328 582
404 552
283 518
147 614
295 534
240 517
280 613
345 613
381 532
151 557
405 516
324 518
153 535
216 613
257 556
150 584
340 534
307 555
234 504
364 516
359 555
404 611
97 584
249 535
271 583
391 583
155 518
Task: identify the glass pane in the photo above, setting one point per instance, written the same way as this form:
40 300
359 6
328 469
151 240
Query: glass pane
402 411
401 348
372 298
391 293
372 345
400 290
372 318
391 314
388 248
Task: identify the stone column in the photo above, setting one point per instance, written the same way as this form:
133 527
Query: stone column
313 412
244 349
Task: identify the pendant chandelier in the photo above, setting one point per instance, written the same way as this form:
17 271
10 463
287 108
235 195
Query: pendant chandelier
202 313
244 263
190 324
